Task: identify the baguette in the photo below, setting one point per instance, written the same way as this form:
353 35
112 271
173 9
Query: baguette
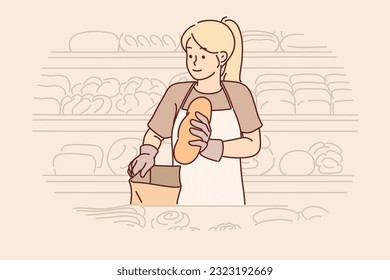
185 153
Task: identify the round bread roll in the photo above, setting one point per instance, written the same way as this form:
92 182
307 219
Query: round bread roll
297 163
275 214
313 212
184 152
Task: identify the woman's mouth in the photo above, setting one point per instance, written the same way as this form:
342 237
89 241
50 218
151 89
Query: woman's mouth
196 70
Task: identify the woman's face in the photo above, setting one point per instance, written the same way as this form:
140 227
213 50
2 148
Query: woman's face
202 64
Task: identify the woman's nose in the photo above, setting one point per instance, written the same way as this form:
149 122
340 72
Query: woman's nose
196 58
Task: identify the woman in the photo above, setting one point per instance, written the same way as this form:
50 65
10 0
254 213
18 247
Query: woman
214 58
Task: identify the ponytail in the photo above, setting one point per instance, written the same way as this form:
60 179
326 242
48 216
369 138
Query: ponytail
232 71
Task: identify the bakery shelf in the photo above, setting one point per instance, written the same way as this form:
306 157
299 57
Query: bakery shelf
247 178
138 123
254 185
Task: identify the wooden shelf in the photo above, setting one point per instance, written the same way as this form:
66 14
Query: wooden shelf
138 123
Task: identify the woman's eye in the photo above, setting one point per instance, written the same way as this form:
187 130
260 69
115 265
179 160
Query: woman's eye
203 57
190 56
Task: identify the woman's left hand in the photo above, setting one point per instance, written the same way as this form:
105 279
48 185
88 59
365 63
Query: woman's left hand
201 129
209 148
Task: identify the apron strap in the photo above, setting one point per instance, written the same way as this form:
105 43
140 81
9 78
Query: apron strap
192 87
227 95
187 95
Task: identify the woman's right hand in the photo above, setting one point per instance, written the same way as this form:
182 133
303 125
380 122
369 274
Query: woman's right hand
144 162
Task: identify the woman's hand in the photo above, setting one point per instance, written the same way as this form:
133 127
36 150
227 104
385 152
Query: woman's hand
209 148
143 162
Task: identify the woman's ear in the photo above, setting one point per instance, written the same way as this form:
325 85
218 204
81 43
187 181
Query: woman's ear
222 57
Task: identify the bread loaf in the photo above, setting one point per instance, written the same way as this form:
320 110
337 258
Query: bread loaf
184 152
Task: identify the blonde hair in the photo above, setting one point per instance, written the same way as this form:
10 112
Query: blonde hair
217 36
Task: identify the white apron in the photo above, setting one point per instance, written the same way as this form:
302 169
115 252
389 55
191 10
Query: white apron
206 182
